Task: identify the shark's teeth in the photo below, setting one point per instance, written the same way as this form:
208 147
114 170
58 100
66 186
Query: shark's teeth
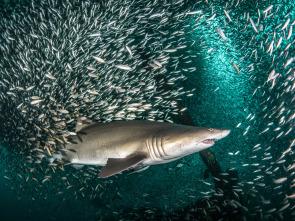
209 141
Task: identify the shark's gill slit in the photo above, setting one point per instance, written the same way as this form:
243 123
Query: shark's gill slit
161 145
155 147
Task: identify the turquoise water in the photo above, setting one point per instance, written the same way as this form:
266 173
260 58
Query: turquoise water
258 113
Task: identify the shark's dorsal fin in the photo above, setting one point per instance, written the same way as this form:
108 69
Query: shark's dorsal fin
85 123
117 165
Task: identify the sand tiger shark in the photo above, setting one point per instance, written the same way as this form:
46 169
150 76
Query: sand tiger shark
121 145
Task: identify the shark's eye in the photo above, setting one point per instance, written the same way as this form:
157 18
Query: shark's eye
210 129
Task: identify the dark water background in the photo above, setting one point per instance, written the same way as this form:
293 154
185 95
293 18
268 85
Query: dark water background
222 98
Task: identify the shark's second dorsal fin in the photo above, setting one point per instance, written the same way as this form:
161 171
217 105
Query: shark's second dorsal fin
117 165
83 124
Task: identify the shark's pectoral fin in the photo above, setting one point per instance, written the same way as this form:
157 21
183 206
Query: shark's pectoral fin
117 165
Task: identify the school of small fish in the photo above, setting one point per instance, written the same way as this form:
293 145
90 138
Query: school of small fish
62 62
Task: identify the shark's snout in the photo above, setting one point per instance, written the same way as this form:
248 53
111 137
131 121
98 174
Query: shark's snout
221 133
224 133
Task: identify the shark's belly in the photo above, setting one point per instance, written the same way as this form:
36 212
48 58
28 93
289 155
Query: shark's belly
150 162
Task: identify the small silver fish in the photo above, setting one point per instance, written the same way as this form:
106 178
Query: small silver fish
220 32
36 102
99 59
281 180
253 25
227 15
123 67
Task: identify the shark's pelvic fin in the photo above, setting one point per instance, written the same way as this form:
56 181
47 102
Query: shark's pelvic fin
139 169
117 165
77 166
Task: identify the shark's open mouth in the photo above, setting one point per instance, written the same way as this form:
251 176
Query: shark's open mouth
209 141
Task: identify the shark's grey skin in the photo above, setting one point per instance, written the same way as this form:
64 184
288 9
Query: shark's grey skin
136 144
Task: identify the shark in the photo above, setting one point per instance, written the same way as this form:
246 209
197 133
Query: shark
137 144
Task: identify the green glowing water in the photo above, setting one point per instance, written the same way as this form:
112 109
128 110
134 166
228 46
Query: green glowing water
222 98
